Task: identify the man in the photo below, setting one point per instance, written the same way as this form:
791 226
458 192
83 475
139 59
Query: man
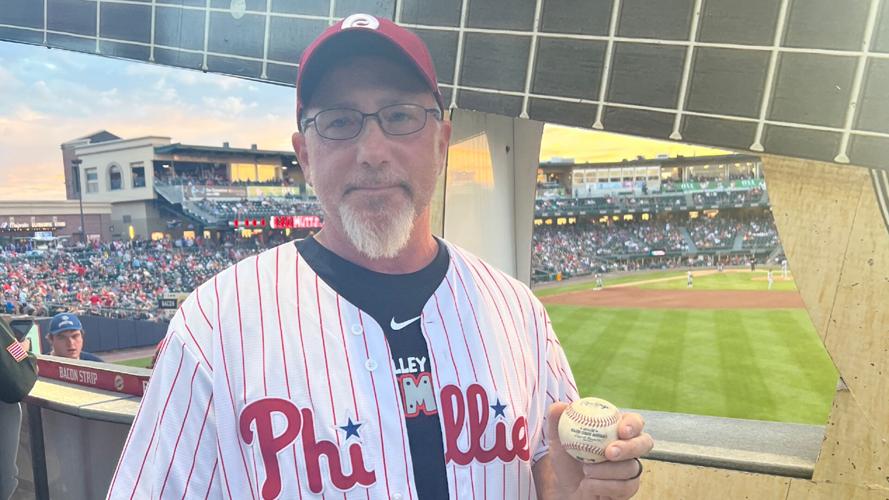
690 279
66 338
770 278
18 373
371 360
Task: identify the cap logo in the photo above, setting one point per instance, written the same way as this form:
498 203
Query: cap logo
361 21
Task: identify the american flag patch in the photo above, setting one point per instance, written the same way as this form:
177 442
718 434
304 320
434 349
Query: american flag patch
17 351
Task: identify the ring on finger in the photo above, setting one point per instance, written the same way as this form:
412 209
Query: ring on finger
640 470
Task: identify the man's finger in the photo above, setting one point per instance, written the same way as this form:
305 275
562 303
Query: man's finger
626 449
630 425
552 419
622 470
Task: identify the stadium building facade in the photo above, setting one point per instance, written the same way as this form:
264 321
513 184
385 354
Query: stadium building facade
160 189
651 214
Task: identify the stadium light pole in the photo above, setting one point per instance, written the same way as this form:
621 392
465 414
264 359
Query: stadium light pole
76 162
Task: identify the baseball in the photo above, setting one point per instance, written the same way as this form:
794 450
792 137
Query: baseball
587 427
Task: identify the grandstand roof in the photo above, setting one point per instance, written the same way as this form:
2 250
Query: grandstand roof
680 161
179 148
95 137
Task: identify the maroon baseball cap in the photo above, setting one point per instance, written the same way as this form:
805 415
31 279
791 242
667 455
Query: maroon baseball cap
353 33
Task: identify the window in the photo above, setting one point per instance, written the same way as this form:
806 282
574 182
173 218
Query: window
138 174
114 178
92 180
127 219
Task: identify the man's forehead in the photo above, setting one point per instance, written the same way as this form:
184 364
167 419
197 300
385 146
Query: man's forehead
68 333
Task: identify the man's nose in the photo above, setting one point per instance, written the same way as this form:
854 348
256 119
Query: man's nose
373 143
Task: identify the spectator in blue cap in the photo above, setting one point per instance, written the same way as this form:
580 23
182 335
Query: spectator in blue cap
66 338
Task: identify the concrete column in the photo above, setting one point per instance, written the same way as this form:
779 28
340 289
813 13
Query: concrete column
489 188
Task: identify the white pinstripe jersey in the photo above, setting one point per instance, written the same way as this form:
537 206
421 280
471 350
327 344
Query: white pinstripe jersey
264 366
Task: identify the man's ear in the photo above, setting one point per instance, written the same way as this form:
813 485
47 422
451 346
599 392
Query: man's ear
302 155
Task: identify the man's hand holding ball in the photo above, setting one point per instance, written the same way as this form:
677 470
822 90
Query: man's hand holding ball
595 449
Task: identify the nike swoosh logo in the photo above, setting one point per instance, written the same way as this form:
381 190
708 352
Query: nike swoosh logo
398 326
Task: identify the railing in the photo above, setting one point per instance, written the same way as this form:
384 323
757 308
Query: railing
60 458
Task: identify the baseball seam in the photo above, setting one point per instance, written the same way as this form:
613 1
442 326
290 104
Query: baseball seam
585 448
592 421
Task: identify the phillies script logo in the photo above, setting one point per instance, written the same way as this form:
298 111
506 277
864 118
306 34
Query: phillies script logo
474 409
299 421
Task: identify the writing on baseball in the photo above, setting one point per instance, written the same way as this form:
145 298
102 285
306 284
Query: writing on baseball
587 427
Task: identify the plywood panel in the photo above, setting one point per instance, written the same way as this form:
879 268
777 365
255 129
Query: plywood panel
815 490
664 480
814 206
855 448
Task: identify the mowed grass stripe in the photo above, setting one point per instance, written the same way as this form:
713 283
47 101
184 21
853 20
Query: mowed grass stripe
741 280
761 364
665 357
744 388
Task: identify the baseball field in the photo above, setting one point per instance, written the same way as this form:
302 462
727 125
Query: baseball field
728 346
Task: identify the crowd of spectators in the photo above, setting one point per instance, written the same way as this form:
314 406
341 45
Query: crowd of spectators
761 234
267 207
627 245
714 234
116 279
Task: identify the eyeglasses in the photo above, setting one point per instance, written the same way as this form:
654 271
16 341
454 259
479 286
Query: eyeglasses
341 124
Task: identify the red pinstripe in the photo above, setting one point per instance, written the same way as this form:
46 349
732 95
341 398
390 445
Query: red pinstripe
210 485
462 329
299 322
326 365
265 387
197 296
157 424
181 429
432 364
126 445
194 458
515 330
240 335
339 313
373 385
228 383
527 347
397 393
193 339
284 360
481 338
457 373
222 466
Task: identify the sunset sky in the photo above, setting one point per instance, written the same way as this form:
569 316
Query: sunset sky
51 96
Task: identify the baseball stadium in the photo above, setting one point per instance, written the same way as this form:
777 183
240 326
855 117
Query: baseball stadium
669 272
696 191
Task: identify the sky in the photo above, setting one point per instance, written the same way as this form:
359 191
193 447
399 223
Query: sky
50 96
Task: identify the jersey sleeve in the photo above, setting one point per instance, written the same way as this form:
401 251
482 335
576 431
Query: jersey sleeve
558 383
171 450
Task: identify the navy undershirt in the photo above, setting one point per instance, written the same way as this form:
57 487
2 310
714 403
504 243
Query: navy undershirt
395 301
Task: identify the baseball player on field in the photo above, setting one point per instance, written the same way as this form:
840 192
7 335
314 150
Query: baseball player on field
372 360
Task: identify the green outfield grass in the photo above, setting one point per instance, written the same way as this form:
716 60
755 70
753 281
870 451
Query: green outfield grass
137 362
589 285
754 364
741 280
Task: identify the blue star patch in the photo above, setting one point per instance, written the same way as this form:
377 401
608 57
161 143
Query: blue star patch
351 429
498 409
